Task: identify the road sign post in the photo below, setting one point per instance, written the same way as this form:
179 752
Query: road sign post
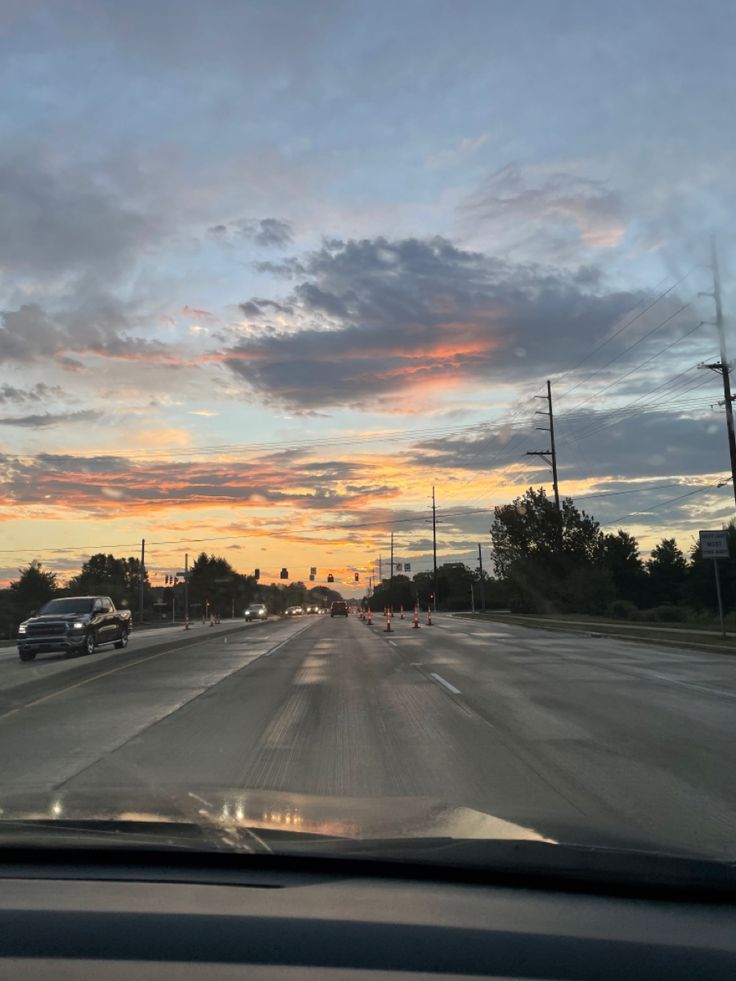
714 545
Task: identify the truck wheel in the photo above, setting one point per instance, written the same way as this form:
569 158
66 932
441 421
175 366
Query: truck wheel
123 641
26 655
89 643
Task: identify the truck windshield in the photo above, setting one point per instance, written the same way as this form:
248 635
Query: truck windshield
66 606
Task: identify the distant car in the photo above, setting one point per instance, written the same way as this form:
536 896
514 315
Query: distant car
295 611
312 609
256 611
339 609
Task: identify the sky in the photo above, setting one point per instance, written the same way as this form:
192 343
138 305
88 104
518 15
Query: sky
269 272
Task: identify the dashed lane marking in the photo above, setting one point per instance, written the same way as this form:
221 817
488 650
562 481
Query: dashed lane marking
445 684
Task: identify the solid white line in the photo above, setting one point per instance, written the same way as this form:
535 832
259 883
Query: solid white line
445 684
392 643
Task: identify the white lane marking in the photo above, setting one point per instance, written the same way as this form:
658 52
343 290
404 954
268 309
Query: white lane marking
445 684
392 643
688 684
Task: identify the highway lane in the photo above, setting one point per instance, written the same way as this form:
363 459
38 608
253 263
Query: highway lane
645 730
590 739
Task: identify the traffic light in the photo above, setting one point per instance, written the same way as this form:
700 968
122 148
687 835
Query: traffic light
311 577
284 573
257 574
313 571
330 578
357 577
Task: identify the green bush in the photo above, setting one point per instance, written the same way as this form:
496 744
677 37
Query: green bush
667 614
622 610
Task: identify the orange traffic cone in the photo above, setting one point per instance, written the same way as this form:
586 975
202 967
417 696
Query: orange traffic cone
388 621
416 618
370 617
186 623
429 616
402 612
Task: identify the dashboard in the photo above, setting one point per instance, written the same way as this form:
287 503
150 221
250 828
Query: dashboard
59 920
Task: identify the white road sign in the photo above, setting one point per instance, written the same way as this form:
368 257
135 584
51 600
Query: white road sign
714 544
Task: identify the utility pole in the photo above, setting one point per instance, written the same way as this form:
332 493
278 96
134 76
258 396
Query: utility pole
186 587
391 579
380 568
142 578
549 456
482 587
434 546
723 365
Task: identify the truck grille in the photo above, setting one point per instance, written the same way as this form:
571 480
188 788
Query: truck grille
53 628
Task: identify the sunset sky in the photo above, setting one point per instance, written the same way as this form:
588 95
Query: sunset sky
269 271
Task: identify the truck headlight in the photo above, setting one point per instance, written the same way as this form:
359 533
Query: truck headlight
78 625
22 628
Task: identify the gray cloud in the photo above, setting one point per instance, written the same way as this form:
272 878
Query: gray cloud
40 392
545 211
48 419
61 220
650 444
30 333
390 316
267 232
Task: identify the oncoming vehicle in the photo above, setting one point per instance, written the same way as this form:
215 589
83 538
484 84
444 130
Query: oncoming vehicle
73 624
295 611
256 611
312 609
339 609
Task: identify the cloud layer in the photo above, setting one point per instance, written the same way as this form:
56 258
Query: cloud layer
397 318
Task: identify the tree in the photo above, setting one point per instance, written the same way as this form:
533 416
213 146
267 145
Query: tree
213 580
667 570
401 593
105 575
35 587
549 558
532 527
620 557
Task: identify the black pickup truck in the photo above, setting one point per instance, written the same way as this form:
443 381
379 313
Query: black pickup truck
73 625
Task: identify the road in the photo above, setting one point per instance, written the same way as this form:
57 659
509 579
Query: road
576 738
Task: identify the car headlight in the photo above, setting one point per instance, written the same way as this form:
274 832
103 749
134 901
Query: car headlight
78 625
22 628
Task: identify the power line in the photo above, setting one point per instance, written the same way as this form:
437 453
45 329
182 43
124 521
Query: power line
672 500
638 366
620 331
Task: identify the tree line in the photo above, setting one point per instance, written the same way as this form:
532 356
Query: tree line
550 561
213 586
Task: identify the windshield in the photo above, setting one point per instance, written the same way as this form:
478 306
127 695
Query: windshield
60 606
418 316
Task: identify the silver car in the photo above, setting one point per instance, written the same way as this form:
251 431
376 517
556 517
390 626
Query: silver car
256 611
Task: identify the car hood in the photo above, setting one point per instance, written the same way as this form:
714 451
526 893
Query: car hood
55 617
356 818
403 836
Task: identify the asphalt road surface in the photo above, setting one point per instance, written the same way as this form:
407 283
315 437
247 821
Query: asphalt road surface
588 739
